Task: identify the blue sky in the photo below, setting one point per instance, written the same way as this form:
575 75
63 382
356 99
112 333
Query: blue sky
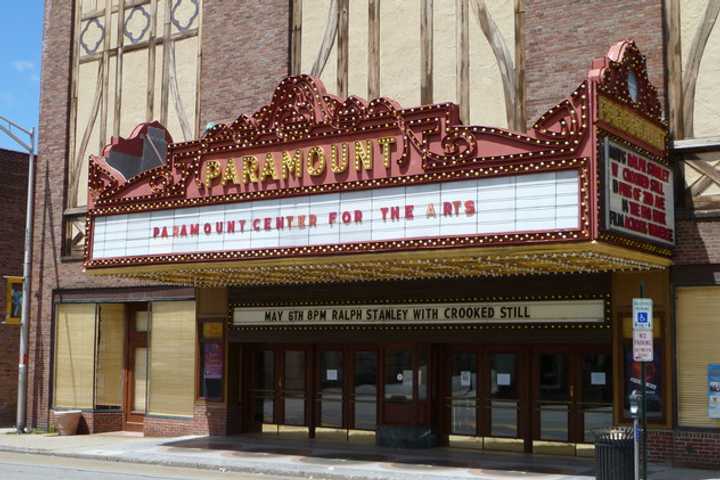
21 40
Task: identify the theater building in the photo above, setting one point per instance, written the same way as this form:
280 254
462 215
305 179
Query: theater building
351 233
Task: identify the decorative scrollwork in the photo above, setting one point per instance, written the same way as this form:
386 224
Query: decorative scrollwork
183 27
89 50
139 10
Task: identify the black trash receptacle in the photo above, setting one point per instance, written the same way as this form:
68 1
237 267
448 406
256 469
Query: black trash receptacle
614 454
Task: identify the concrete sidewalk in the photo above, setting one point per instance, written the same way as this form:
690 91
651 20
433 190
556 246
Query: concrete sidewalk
307 458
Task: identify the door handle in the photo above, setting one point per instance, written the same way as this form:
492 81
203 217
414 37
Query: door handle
572 392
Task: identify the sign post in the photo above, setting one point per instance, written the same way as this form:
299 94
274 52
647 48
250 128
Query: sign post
643 353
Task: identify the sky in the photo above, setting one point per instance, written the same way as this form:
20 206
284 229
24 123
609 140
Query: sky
21 42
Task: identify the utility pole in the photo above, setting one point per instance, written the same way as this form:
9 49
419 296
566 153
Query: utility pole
12 130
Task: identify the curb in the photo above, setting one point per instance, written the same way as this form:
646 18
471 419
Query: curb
230 468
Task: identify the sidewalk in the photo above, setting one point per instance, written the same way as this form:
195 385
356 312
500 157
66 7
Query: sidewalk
306 458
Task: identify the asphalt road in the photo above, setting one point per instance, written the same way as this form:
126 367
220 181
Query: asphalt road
20 466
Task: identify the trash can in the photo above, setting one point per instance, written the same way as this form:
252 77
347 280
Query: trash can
614 454
67 421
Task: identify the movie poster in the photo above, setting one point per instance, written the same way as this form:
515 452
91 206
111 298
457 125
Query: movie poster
653 379
213 361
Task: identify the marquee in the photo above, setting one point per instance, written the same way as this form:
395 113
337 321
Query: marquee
312 187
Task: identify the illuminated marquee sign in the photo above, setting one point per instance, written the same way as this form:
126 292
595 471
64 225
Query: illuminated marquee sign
526 203
551 311
312 175
638 195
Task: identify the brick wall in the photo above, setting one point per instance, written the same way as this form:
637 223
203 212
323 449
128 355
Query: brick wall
698 241
95 422
563 36
235 79
700 449
209 418
13 195
245 55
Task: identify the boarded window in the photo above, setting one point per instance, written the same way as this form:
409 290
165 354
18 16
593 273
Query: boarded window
698 331
74 355
109 363
172 358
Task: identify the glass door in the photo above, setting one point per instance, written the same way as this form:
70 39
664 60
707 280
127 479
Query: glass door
463 393
554 396
504 395
136 367
365 390
330 389
595 406
262 393
399 387
293 387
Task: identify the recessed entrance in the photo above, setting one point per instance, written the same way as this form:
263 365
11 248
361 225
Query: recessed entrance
517 398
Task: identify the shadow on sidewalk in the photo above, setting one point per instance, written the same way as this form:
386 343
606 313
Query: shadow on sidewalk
324 453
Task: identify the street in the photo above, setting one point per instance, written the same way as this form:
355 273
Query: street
21 466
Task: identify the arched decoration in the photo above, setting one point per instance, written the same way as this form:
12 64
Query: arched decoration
616 72
302 110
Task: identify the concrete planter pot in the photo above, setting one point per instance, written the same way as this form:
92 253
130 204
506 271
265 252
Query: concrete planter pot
67 421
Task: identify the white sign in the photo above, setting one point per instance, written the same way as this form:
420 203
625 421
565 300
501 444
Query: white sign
332 375
642 345
503 379
521 203
465 378
598 378
642 329
638 195
642 313
550 311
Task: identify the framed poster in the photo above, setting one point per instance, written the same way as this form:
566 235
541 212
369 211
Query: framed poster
714 390
13 299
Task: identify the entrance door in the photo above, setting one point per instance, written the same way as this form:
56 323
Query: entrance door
293 387
485 396
346 388
555 396
278 386
405 393
506 407
331 389
262 392
573 393
364 397
136 367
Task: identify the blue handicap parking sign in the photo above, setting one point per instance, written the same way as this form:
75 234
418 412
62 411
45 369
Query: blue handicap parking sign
642 317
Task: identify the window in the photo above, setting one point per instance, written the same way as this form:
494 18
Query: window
74 355
172 358
109 355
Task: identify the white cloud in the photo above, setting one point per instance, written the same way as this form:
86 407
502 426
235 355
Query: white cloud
23 65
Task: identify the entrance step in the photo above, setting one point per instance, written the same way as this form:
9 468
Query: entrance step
406 436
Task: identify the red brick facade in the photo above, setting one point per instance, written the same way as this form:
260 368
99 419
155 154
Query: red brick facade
13 195
698 242
562 37
685 448
242 79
